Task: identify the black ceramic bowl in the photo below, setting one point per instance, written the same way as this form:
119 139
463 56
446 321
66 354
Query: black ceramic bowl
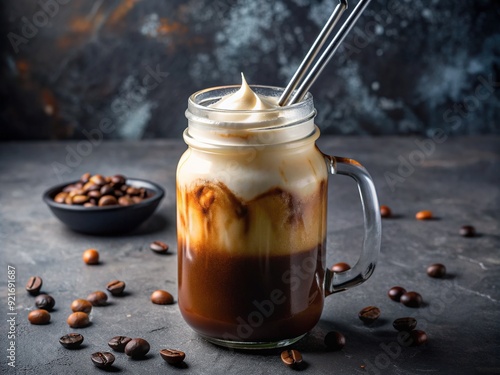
108 219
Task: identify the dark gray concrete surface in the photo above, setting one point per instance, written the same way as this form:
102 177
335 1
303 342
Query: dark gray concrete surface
458 180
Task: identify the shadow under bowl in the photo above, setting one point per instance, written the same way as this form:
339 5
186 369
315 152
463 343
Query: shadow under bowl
108 219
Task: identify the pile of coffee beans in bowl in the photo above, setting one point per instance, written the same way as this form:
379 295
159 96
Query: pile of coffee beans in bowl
101 191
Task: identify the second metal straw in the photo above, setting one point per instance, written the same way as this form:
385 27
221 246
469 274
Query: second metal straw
287 98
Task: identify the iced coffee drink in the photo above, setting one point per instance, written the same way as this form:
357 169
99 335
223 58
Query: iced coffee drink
251 218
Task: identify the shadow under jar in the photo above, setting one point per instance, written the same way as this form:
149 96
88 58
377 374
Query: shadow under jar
251 222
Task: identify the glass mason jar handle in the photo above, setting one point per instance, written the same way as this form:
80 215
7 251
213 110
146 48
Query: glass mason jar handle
363 269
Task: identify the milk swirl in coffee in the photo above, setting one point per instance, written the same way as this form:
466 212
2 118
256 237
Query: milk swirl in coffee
251 221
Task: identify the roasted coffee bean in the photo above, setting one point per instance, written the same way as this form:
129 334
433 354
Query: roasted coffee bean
340 267
172 356
334 340
118 180
125 201
424 215
34 285
411 299
39 317
291 358
103 360
107 190
78 319
406 324
74 193
85 178
133 191
467 231
137 348
418 337
71 340
80 199
436 270
90 186
89 204
91 256
107 200
81 305
94 194
159 247
369 314
396 292
45 302
98 179
68 200
385 211
98 298
115 287
119 194
118 343
162 297
137 200
60 197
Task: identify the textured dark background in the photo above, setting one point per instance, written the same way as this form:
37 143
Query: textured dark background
409 67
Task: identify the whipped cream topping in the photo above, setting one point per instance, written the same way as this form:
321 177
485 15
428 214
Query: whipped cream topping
245 99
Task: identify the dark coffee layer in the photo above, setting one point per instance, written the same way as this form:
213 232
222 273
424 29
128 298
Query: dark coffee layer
261 297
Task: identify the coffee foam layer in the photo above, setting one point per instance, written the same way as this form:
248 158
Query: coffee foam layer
212 218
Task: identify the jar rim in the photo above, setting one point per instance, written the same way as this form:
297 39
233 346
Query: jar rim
205 102
217 126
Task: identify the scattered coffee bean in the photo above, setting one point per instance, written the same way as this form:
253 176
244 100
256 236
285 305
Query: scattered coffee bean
424 215
98 298
34 285
396 292
406 324
45 302
78 319
418 337
369 314
385 211
39 316
436 270
172 356
118 343
115 287
91 256
162 297
103 360
334 340
81 305
159 247
107 190
411 299
340 267
71 340
137 348
291 358
467 231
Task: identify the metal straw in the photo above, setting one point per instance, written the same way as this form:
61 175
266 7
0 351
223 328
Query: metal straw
313 51
324 58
